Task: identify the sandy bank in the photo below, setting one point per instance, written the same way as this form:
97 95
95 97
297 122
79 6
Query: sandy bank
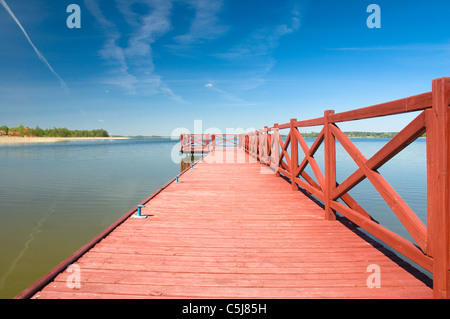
7 140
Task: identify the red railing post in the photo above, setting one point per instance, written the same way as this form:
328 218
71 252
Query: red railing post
264 143
181 142
263 156
268 144
330 165
255 144
294 154
438 186
213 141
260 149
257 150
275 151
207 142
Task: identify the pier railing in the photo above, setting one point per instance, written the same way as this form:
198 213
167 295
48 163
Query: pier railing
290 157
203 143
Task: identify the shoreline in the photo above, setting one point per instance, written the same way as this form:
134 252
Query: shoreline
14 140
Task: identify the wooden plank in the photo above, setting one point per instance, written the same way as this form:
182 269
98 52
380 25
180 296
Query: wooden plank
236 280
228 231
223 292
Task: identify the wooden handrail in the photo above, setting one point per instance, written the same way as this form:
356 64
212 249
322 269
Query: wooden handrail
432 248
410 104
206 142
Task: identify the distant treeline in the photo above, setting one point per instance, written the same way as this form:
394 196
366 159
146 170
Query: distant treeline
52 132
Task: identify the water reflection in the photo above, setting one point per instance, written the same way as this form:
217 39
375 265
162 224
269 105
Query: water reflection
188 160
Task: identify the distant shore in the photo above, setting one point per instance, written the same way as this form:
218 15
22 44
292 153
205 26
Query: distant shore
9 140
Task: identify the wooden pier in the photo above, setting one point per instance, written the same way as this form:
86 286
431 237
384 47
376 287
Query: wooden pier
249 222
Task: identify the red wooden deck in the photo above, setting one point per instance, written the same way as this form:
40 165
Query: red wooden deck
228 230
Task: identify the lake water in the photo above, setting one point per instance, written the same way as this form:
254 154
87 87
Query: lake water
54 198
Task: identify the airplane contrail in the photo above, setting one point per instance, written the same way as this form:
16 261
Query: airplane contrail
39 54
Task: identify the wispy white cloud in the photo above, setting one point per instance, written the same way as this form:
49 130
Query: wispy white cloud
154 24
206 24
253 55
112 52
39 54
256 50
133 67
262 42
131 53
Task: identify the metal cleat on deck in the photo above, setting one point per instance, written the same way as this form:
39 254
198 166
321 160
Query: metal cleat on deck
139 215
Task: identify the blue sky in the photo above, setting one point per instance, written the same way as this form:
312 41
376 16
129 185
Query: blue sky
151 66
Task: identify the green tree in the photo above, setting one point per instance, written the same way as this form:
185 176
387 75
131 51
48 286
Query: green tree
4 128
54 132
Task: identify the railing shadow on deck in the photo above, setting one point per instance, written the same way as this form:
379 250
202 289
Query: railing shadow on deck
417 273
430 249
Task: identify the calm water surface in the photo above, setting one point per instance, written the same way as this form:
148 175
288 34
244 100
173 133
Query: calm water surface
54 198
